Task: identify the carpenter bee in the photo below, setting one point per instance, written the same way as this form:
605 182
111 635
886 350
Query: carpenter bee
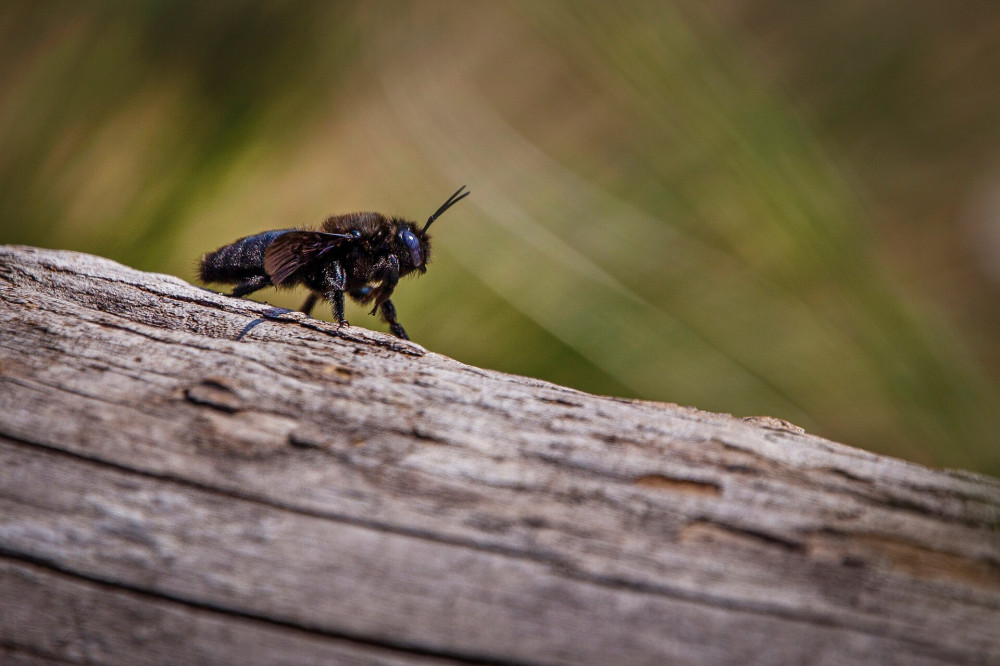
360 254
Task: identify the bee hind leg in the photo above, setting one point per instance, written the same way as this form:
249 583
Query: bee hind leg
309 304
250 285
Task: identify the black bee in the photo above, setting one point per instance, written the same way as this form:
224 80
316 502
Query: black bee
360 254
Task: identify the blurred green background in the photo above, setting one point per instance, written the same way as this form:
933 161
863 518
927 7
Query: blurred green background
749 206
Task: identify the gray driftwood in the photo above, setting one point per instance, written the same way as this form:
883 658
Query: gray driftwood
189 478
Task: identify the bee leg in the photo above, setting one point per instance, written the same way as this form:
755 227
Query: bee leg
389 315
307 307
337 298
363 294
389 278
336 280
250 285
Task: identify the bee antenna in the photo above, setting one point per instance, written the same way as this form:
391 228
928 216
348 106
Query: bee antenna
452 200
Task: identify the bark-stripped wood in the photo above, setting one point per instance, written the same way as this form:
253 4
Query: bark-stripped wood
191 478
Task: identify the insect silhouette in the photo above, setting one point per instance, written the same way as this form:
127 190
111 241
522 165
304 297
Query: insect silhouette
362 255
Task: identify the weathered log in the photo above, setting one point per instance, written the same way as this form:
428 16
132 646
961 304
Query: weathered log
192 478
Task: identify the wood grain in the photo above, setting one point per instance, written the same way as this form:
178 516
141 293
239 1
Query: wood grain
261 487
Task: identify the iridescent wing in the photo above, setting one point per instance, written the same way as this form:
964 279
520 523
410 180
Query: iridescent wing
291 251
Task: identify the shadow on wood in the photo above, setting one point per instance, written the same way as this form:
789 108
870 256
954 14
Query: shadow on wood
191 478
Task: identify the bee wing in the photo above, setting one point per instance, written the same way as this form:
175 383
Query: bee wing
290 252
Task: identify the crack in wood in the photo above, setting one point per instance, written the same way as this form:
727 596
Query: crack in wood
686 486
216 393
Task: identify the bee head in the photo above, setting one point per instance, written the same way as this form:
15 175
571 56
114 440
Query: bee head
417 243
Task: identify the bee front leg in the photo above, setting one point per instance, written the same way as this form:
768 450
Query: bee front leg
363 294
388 279
335 281
389 315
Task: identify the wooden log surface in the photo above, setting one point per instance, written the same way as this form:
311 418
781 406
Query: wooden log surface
191 478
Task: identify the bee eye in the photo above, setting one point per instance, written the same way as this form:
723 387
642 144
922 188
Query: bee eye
412 244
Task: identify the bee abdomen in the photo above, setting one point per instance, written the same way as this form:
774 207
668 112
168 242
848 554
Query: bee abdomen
240 260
